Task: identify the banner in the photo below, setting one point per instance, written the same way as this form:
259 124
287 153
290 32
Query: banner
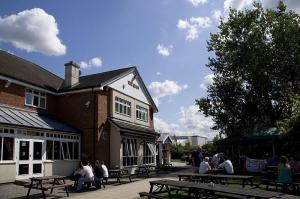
255 165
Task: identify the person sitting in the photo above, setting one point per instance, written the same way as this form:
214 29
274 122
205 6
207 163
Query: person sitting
105 171
284 171
216 159
204 166
87 176
227 165
98 174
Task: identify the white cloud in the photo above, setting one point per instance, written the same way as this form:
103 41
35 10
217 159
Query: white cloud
197 2
195 123
190 122
271 4
94 62
163 89
216 15
32 30
158 73
207 80
164 51
193 26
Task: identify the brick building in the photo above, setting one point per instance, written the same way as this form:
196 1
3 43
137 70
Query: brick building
47 124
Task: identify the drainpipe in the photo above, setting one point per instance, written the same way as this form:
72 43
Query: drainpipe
94 126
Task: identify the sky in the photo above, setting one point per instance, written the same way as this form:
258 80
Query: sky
165 39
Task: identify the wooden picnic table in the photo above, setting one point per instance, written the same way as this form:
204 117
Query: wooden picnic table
46 183
119 173
218 178
146 170
213 189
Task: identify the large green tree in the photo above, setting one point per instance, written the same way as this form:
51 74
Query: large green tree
256 70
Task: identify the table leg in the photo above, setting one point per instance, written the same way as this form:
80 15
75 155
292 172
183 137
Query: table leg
29 189
151 187
243 183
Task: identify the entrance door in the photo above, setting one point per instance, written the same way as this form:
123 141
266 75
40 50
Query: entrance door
30 155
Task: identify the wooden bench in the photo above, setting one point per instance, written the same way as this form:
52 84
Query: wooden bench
227 195
150 195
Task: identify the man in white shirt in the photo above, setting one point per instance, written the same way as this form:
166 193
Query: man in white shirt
87 176
105 171
216 159
204 166
227 165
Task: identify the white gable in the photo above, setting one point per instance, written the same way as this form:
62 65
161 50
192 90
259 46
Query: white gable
131 86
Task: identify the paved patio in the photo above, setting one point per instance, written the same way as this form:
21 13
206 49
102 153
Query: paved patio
112 191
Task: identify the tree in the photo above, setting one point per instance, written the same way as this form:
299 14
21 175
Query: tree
256 70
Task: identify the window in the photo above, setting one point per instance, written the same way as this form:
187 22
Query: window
58 150
148 153
122 106
6 148
141 113
49 149
129 152
35 98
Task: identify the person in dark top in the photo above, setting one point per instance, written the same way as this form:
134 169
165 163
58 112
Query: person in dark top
197 158
98 174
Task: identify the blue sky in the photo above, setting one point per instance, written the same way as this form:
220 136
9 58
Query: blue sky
165 39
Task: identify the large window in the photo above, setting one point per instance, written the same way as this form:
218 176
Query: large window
35 98
62 150
6 148
130 152
122 106
141 113
148 153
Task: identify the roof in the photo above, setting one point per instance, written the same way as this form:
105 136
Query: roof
97 79
20 69
15 117
163 137
133 129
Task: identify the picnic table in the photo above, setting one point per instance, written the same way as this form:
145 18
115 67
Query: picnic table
146 170
216 189
46 183
119 173
218 178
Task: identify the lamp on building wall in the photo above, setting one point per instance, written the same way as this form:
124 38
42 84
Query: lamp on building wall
7 84
87 104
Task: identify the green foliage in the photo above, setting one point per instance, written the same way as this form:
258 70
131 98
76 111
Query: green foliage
177 151
256 70
291 125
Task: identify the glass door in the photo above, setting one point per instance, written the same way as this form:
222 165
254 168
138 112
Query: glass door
37 156
29 158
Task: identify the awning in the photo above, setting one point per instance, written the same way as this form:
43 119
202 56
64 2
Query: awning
152 148
22 118
133 130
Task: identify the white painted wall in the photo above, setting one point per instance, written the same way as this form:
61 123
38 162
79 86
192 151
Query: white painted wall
122 86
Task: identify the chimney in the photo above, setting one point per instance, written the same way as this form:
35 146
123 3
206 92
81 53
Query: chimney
71 74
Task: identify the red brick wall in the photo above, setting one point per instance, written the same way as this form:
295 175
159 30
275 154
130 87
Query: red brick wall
14 96
103 127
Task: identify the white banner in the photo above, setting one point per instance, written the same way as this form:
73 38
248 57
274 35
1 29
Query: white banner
255 165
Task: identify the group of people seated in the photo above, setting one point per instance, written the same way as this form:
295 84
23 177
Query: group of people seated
204 164
87 174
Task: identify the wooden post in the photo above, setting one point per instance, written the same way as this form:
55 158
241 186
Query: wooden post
273 148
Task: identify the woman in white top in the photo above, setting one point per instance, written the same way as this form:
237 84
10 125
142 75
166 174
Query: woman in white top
204 166
227 165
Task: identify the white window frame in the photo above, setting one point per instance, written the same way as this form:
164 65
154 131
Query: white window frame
40 95
131 151
148 157
122 106
141 113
